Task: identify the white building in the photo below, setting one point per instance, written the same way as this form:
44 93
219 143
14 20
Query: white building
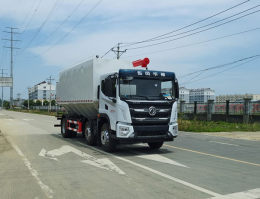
184 94
42 91
256 97
237 98
201 95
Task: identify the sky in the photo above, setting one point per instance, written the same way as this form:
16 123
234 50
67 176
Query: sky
57 34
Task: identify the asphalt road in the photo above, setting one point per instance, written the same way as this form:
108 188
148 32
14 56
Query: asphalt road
36 162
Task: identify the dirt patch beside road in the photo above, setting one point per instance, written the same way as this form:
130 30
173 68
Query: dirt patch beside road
4 144
253 136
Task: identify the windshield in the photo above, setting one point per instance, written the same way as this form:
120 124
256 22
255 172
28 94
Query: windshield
149 89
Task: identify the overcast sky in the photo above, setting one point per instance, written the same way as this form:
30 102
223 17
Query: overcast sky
56 34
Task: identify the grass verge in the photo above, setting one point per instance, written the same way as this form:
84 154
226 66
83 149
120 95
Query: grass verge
205 126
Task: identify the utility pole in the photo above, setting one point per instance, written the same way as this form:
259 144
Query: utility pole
117 51
28 104
18 98
2 75
11 47
49 81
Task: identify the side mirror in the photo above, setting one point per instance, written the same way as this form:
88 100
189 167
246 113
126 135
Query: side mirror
98 91
176 87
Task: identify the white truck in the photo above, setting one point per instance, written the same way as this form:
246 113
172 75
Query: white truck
110 102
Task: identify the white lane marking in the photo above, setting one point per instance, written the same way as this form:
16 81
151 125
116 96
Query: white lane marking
157 172
43 153
160 158
27 119
103 163
48 191
224 143
170 177
250 194
1 114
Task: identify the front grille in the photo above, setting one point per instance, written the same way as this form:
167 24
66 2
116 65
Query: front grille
158 130
140 112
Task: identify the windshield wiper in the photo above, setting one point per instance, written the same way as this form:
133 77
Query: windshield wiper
165 97
124 97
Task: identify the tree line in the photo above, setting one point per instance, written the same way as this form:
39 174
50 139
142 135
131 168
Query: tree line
38 103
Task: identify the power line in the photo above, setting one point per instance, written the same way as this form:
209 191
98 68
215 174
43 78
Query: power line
159 43
217 73
107 52
220 66
208 24
74 27
192 24
26 18
2 57
42 25
198 43
66 19
32 16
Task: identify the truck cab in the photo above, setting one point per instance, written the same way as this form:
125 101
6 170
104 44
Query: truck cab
137 106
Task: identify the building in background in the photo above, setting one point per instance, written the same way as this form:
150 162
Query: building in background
184 94
237 98
256 97
201 95
42 91
18 102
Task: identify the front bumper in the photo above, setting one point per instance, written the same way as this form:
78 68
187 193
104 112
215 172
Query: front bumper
126 133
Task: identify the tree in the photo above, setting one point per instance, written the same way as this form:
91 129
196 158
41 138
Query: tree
25 103
31 103
53 102
46 103
6 104
38 103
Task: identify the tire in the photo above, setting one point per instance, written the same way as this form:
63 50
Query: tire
73 134
64 131
90 133
107 143
155 145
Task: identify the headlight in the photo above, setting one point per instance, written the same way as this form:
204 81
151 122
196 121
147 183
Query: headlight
124 130
173 128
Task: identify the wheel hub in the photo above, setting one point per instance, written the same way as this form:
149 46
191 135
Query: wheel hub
63 127
104 137
88 132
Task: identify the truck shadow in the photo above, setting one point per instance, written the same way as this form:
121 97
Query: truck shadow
122 150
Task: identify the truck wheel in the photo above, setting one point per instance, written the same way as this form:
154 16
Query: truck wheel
89 134
64 131
107 143
73 134
155 145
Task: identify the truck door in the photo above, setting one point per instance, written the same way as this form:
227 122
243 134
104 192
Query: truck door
107 103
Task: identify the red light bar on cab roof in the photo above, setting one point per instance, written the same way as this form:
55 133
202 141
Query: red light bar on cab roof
141 62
